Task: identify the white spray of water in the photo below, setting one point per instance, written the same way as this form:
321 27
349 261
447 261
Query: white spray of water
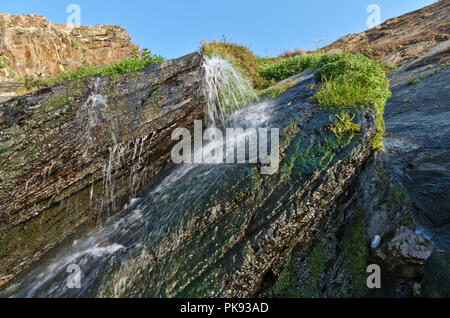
225 89
94 111
88 117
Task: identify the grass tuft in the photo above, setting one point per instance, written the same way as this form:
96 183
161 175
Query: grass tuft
351 81
139 60
273 73
240 56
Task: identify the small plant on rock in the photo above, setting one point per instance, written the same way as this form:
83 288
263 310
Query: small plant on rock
344 125
3 62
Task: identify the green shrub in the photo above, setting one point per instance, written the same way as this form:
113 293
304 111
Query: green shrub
387 67
139 60
351 80
75 44
289 67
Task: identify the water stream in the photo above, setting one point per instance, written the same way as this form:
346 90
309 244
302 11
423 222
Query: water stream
147 220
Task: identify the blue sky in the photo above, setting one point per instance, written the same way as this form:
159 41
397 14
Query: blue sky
173 28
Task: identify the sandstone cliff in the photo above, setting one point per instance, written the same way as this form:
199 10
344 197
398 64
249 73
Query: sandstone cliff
32 46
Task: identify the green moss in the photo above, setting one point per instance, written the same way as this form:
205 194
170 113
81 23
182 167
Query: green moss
309 152
436 281
316 265
240 56
355 254
286 283
387 67
57 102
52 225
408 221
398 198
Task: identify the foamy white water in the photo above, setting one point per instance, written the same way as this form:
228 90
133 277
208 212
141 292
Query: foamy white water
225 89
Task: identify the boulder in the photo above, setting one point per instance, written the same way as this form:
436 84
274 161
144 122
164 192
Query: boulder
403 253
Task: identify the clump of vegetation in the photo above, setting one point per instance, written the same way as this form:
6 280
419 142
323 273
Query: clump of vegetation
139 60
273 73
317 262
387 67
348 80
344 125
292 53
351 81
74 43
3 62
239 56
414 81
276 91
407 101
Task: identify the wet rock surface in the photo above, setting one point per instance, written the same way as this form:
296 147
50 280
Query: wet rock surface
226 233
418 143
76 152
406 185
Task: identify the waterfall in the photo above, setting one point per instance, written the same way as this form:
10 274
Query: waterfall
225 89
147 220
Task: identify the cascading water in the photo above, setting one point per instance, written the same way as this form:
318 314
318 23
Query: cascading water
147 221
225 89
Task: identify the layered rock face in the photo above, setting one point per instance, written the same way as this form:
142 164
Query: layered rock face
214 230
31 46
406 186
73 152
34 46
